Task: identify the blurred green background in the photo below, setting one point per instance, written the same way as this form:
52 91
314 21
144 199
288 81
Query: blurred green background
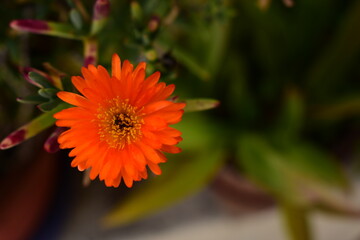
287 79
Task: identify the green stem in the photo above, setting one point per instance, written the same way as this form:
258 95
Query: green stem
191 63
90 51
296 220
80 7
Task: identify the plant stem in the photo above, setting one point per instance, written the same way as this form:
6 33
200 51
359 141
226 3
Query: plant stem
296 220
90 51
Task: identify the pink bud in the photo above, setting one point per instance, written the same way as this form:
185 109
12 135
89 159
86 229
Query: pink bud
51 144
101 9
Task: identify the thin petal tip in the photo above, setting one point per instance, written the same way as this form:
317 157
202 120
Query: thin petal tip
13 139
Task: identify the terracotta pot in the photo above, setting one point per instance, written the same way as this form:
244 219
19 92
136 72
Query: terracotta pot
25 196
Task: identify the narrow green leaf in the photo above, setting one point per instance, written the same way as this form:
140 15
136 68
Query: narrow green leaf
29 130
55 75
63 30
187 60
136 11
32 99
299 174
48 106
41 81
291 117
49 93
264 166
76 18
181 177
45 27
314 164
200 104
70 3
339 56
337 111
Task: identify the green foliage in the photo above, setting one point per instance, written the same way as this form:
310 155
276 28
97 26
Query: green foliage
183 175
287 80
34 127
297 174
76 18
193 105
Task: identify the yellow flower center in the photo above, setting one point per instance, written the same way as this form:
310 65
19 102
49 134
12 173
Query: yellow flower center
119 123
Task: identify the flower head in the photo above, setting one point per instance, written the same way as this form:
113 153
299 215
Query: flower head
120 124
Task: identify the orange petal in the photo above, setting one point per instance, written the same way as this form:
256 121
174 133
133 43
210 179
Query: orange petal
126 69
174 107
138 156
154 122
130 169
171 132
169 117
127 179
74 99
105 171
154 168
150 153
117 164
73 113
170 149
117 181
165 93
143 174
155 106
139 67
81 167
98 164
95 82
79 83
151 80
116 66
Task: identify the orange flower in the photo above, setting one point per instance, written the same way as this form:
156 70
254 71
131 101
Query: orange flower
121 123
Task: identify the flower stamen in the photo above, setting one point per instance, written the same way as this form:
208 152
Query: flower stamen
119 123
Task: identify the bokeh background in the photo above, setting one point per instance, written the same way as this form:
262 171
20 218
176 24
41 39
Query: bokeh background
280 148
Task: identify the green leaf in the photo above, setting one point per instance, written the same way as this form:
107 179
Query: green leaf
49 93
337 111
200 104
48 106
315 164
45 27
299 174
136 11
63 30
32 99
55 75
264 165
70 3
181 177
339 55
29 130
183 174
76 18
291 117
42 81
187 60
